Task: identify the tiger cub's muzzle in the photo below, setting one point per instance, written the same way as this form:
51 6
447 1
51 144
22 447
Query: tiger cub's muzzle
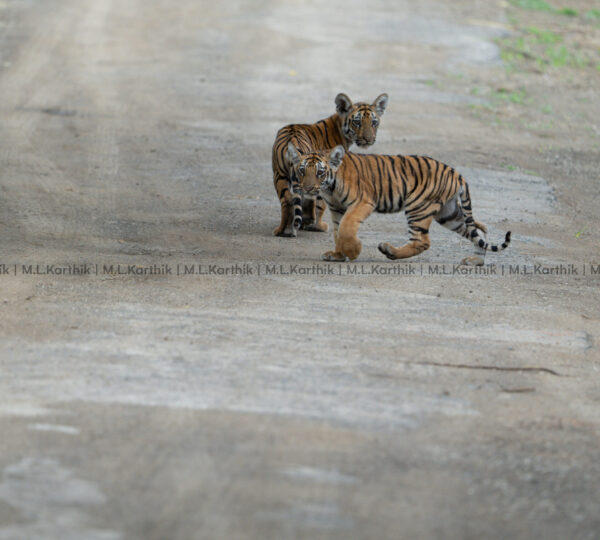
365 142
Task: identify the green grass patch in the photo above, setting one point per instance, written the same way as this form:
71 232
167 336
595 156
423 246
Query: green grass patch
513 168
547 109
533 5
569 12
545 48
518 97
495 98
593 14
545 37
558 56
542 5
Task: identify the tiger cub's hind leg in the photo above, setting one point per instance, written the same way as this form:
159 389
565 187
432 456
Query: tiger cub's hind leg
312 214
452 217
419 240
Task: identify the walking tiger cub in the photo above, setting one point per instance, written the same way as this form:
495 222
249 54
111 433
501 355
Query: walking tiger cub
352 123
354 185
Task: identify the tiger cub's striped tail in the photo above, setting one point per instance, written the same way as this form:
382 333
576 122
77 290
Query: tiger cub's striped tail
296 201
481 243
473 229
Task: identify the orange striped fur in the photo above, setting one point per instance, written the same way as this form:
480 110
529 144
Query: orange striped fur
352 123
355 185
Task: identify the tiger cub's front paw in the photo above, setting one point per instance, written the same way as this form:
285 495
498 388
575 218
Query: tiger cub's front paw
334 256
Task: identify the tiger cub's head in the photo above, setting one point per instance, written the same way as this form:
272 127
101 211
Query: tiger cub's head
360 120
315 171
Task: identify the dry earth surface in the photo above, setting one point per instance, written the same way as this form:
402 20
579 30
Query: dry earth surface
288 405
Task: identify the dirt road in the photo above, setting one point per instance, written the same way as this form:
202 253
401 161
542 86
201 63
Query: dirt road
169 369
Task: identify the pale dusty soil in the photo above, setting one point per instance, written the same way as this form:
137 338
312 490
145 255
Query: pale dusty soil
342 406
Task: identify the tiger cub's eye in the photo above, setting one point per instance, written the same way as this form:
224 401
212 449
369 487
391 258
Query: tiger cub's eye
356 120
374 121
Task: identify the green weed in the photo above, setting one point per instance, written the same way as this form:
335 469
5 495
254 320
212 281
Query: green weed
569 12
544 36
558 56
514 168
515 96
542 5
533 5
593 14
544 47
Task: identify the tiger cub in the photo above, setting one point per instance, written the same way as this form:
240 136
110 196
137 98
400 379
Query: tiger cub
354 185
352 123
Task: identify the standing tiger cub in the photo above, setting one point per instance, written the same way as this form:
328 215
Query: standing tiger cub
352 123
355 185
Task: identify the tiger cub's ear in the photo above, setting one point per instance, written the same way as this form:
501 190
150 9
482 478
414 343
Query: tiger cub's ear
336 156
292 154
342 103
380 103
